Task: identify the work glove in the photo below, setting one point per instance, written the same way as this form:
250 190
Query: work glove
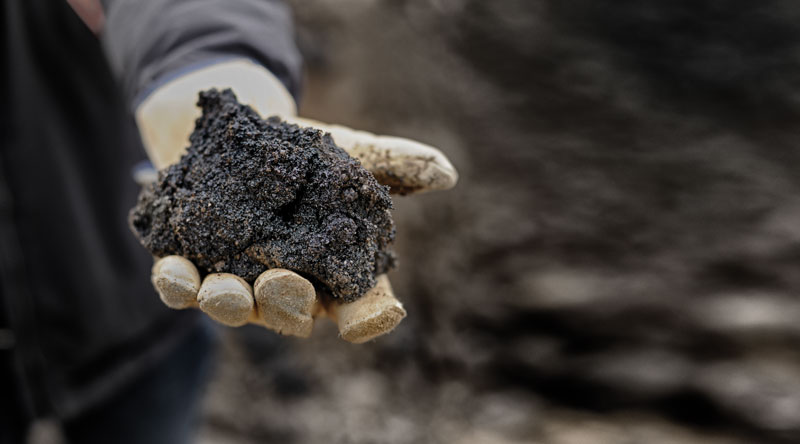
279 299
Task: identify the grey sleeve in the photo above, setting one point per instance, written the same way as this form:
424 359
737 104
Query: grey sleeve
150 41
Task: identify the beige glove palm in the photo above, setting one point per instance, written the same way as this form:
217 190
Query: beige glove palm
280 299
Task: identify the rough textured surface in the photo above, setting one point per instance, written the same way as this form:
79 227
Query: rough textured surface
252 194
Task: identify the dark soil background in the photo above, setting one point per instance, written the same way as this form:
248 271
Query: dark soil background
620 262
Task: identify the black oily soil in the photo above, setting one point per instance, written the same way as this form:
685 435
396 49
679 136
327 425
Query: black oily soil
252 194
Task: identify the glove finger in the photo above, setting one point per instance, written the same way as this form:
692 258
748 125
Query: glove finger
227 299
406 166
287 302
176 281
376 313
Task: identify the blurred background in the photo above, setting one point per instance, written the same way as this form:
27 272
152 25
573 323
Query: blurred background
620 261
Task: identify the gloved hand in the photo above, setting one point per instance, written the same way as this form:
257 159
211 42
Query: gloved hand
280 299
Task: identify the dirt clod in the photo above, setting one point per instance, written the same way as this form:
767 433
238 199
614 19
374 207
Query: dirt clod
252 194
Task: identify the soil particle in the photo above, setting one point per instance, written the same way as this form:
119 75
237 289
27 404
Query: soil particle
252 194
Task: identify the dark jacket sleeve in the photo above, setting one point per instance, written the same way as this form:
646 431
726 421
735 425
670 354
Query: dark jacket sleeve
149 41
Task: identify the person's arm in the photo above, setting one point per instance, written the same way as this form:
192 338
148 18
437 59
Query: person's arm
246 45
149 42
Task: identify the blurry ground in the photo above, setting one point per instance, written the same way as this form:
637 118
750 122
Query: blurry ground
620 262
